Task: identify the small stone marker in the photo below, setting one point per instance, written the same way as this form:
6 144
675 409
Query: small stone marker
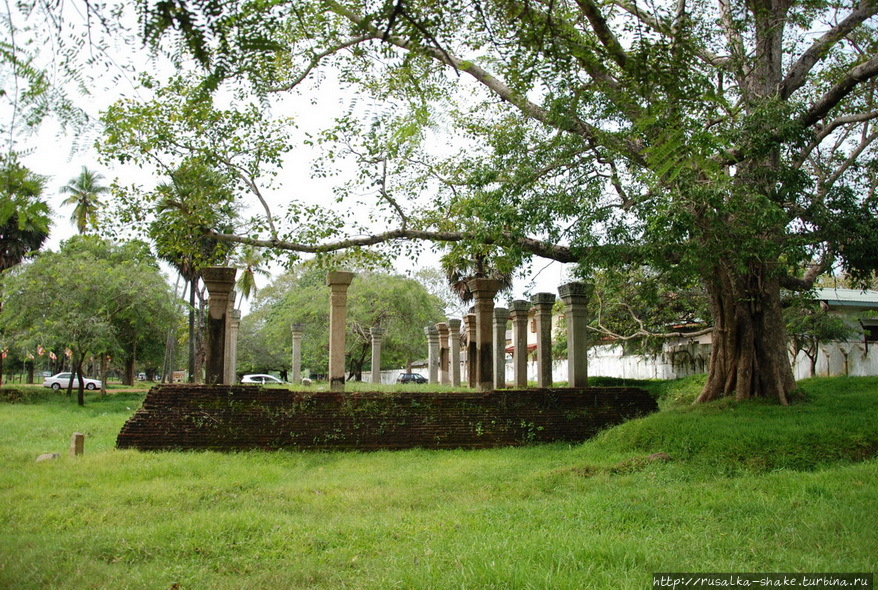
48 457
77 444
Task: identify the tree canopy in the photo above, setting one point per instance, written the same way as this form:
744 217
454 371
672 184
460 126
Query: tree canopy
731 141
92 297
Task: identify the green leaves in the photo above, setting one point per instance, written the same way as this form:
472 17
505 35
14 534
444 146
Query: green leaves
92 296
24 215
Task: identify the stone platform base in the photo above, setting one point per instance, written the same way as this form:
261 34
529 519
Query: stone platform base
231 418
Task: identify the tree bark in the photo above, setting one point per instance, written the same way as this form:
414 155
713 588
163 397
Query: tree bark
104 368
128 377
749 355
80 394
355 370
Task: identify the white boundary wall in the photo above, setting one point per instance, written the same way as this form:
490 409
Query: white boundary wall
857 359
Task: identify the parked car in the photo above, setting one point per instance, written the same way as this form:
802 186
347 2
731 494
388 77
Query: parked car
262 380
63 380
411 378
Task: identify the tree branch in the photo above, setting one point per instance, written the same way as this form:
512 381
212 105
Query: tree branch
811 275
603 32
315 60
830 128
849 82
533 111
866 142
530 245
386 195
798 73
665 29
648 334
254 188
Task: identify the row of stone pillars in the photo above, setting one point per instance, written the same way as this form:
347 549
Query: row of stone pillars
486 337
486 331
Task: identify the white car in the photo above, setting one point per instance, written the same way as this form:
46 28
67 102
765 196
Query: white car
63 379
262 380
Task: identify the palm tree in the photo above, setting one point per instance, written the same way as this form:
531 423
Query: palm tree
250 260
194 201
24 217
459 271
17 243
84 190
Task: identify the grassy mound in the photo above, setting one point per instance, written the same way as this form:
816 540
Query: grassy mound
835 423
722 487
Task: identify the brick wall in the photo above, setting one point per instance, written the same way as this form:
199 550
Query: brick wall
251 417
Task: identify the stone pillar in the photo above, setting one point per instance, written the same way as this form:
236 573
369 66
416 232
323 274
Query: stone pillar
575 297
543 303
454 347
518 312
444 350
484 291
501 316
377 334
432 352
298 330
232 347
219 281
338 282
77 444
228 367
469 323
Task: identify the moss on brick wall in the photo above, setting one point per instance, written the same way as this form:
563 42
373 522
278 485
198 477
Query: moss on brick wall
252 417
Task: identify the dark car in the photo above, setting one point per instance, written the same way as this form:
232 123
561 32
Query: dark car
411 378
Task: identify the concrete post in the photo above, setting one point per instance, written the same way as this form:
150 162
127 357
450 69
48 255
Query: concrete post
469 321
432 352
338 282
444 350
232 347
219 281
298 330
575 297
501 316
454 347
377 334
483 291
77 444
518 313
543 303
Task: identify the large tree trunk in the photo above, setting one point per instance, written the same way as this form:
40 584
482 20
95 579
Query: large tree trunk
128 377
749 355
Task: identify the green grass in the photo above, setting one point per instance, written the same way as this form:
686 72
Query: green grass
748 487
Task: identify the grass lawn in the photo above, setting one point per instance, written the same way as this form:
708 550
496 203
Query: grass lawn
748 487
